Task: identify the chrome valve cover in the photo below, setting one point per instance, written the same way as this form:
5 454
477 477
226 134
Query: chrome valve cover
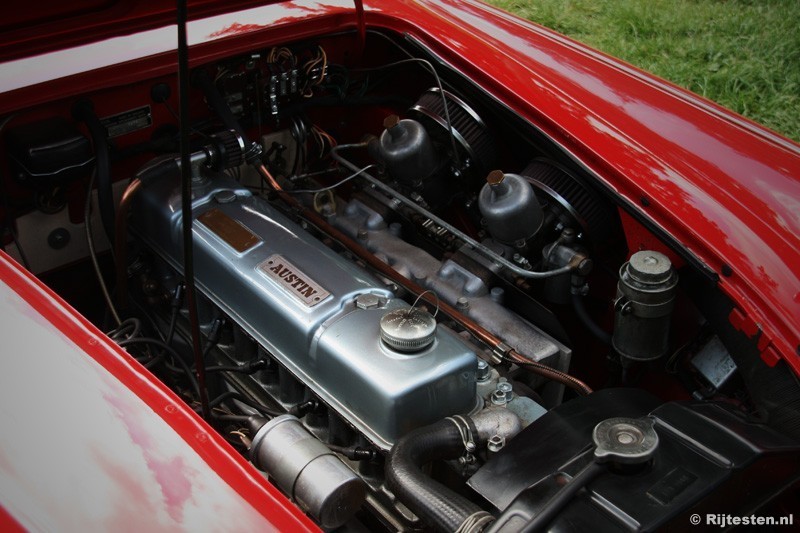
298 300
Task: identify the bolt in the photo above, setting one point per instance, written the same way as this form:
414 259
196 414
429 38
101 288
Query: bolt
462 302
391 121
362 235
499 398
496 443
368 301
483 370
465 460
505 387
497 294
495 177
58 238
225 197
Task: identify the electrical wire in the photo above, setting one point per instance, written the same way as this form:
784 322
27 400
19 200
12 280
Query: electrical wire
173 321
233 395
299 134
337 184
246 368
168 349
129 328
230 417
87 223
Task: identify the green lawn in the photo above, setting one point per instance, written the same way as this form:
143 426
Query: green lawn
742 54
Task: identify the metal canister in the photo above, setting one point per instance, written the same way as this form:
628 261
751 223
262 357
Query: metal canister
307 470
643 308
407 150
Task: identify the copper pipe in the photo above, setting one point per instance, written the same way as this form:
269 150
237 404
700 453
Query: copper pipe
551 373
121 242
478 331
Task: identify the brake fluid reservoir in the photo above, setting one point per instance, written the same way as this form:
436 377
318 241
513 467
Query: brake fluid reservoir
510 208
642 311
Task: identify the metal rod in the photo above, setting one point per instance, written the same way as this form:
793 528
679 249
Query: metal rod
186 209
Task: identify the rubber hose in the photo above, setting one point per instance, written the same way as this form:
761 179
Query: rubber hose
434 503
591 325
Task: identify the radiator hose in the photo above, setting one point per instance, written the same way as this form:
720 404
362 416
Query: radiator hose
436 505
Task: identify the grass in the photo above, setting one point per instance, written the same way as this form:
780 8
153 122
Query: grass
743 54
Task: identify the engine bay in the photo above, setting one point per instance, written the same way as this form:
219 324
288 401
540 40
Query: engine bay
415 310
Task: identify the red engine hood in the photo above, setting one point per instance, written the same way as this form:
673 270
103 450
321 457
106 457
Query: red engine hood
59 25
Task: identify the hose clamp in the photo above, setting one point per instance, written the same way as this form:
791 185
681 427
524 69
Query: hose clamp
467 439
476 522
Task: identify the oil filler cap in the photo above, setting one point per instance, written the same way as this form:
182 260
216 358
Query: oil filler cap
409 329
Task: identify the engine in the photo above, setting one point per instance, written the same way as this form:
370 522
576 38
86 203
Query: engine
406 296
265 274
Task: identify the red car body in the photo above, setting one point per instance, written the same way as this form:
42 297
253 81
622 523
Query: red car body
722 188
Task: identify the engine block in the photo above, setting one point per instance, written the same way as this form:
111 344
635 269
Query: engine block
315 312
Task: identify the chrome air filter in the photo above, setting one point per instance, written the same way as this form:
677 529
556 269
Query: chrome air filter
595 217
469 130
